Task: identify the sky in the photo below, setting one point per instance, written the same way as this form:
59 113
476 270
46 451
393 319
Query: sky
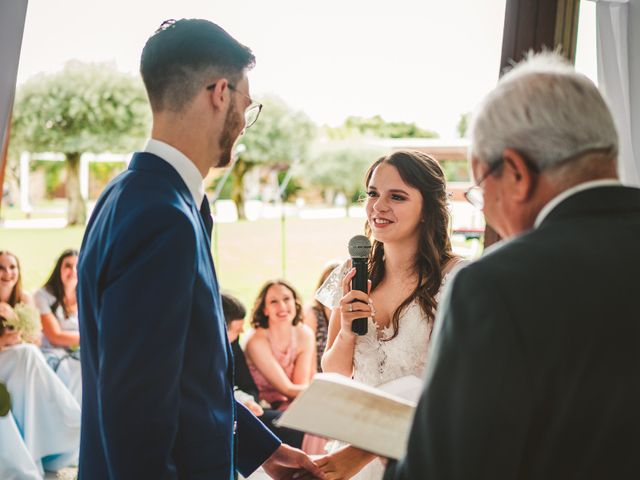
422 61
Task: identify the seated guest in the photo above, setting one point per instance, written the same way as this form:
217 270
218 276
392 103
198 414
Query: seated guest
280 349
58 307
11 281
317 316
15 459
246 390
43 429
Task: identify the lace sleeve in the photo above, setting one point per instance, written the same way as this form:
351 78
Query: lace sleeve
446 280
330 293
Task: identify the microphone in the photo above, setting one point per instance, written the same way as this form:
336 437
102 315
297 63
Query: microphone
359 248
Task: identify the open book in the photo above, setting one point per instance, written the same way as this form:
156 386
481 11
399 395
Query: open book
374 419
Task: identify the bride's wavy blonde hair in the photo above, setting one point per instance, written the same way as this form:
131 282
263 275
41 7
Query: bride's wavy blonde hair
423 173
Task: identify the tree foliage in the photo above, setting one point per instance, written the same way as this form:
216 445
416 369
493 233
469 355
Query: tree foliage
341 166
280 137
82 108
377 127
463 124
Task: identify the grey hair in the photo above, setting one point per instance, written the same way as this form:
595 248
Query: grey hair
545 110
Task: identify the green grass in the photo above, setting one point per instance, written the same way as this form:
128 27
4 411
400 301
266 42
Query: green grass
249 253
43 209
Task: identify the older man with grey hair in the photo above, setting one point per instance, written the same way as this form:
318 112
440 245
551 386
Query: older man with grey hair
534 368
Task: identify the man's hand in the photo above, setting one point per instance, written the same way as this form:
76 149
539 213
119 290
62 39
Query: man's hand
290 463
253 407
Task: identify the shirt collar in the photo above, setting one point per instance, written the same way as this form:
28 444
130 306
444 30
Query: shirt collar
180 162
557 200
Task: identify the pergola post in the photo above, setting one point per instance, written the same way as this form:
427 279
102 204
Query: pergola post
84 177
535 25
25 206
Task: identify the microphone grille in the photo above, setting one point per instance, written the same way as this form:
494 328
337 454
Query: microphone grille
359 247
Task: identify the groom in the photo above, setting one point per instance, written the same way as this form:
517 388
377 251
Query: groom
157 367
534 367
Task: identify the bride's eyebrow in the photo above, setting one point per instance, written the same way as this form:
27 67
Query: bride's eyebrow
398 190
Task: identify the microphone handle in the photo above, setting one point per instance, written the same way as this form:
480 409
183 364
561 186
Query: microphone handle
360 282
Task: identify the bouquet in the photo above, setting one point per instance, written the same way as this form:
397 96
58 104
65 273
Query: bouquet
24 319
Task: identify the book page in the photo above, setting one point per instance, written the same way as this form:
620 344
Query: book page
339 408
409 388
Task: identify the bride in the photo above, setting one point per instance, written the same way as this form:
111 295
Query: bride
407 217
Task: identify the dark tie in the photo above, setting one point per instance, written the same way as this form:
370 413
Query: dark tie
205 212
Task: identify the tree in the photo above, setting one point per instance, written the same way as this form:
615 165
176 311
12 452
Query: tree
463 124
341 167
279 138
376 126
83 108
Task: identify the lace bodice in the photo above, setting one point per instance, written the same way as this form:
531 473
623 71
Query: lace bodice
375 360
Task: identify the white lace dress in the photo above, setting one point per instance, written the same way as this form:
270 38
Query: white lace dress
376 361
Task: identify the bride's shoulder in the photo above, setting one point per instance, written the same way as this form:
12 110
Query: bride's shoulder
453 265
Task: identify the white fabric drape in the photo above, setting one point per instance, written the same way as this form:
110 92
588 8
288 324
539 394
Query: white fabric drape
12 15
619 79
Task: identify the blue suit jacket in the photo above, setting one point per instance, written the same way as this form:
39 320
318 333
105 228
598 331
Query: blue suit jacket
157 368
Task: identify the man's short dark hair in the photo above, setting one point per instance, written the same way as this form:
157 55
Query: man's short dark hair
180 56
232 308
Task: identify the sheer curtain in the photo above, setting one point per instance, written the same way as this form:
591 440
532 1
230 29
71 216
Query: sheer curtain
12 15
619 76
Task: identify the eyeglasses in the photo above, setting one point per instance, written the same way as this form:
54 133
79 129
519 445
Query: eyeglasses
475 194
252 112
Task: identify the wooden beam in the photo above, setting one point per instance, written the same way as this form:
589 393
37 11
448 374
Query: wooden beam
535 25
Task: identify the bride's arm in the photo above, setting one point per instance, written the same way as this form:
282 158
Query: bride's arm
341 341
344 463
338 356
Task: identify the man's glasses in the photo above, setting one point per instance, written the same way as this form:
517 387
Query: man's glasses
252 112
475 194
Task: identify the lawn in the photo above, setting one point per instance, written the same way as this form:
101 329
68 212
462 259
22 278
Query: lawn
248 253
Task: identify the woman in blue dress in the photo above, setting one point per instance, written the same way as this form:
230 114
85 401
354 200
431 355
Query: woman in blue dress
42 430
58 307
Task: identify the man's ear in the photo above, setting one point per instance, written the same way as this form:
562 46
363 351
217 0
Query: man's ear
219 93
517 175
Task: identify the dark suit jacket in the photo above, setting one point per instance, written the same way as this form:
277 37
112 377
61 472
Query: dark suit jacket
535 369
157 367
243 378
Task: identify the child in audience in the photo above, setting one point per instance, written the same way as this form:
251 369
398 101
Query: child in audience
245 389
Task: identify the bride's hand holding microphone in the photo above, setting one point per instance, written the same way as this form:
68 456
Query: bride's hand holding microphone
354 305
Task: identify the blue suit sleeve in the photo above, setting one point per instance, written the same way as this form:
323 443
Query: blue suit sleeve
145 310
256 443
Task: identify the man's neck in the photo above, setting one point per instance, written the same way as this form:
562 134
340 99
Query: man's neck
187 139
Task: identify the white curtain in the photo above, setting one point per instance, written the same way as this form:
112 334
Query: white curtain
619 77
12 15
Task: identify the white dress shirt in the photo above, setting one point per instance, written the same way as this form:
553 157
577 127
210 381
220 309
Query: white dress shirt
180 162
